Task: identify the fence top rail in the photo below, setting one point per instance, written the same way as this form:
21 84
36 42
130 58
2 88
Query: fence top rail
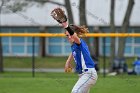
63 35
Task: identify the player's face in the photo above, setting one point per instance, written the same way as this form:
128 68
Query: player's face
69 37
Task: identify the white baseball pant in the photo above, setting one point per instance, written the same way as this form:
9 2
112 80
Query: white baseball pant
86 80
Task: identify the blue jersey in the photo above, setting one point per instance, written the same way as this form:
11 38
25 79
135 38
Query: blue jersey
82 56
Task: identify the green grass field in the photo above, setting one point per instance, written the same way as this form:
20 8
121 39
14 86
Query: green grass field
43 82
21 82
26 62
48 62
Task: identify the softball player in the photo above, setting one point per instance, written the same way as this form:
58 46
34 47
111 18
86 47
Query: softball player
81 55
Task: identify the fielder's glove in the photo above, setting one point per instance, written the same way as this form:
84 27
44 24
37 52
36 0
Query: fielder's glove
59 15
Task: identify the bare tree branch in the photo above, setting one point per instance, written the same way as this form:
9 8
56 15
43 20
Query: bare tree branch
24 4
45 1
49 1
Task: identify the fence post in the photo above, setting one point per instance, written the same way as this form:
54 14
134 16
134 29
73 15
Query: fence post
33 56
104 57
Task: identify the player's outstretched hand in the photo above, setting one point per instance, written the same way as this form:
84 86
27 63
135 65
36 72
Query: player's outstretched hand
68 67
68 70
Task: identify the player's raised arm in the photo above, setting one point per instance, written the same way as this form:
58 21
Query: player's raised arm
59 15
71 32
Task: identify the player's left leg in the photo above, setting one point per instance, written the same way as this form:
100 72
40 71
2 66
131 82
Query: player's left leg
82 85
85 82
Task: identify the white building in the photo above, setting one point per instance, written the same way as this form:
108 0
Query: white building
98 14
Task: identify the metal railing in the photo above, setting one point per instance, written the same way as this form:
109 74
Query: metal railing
63 35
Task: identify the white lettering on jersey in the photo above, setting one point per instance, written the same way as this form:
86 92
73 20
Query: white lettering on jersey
74 54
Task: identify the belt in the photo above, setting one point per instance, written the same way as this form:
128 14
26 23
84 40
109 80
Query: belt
88 69
85 70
